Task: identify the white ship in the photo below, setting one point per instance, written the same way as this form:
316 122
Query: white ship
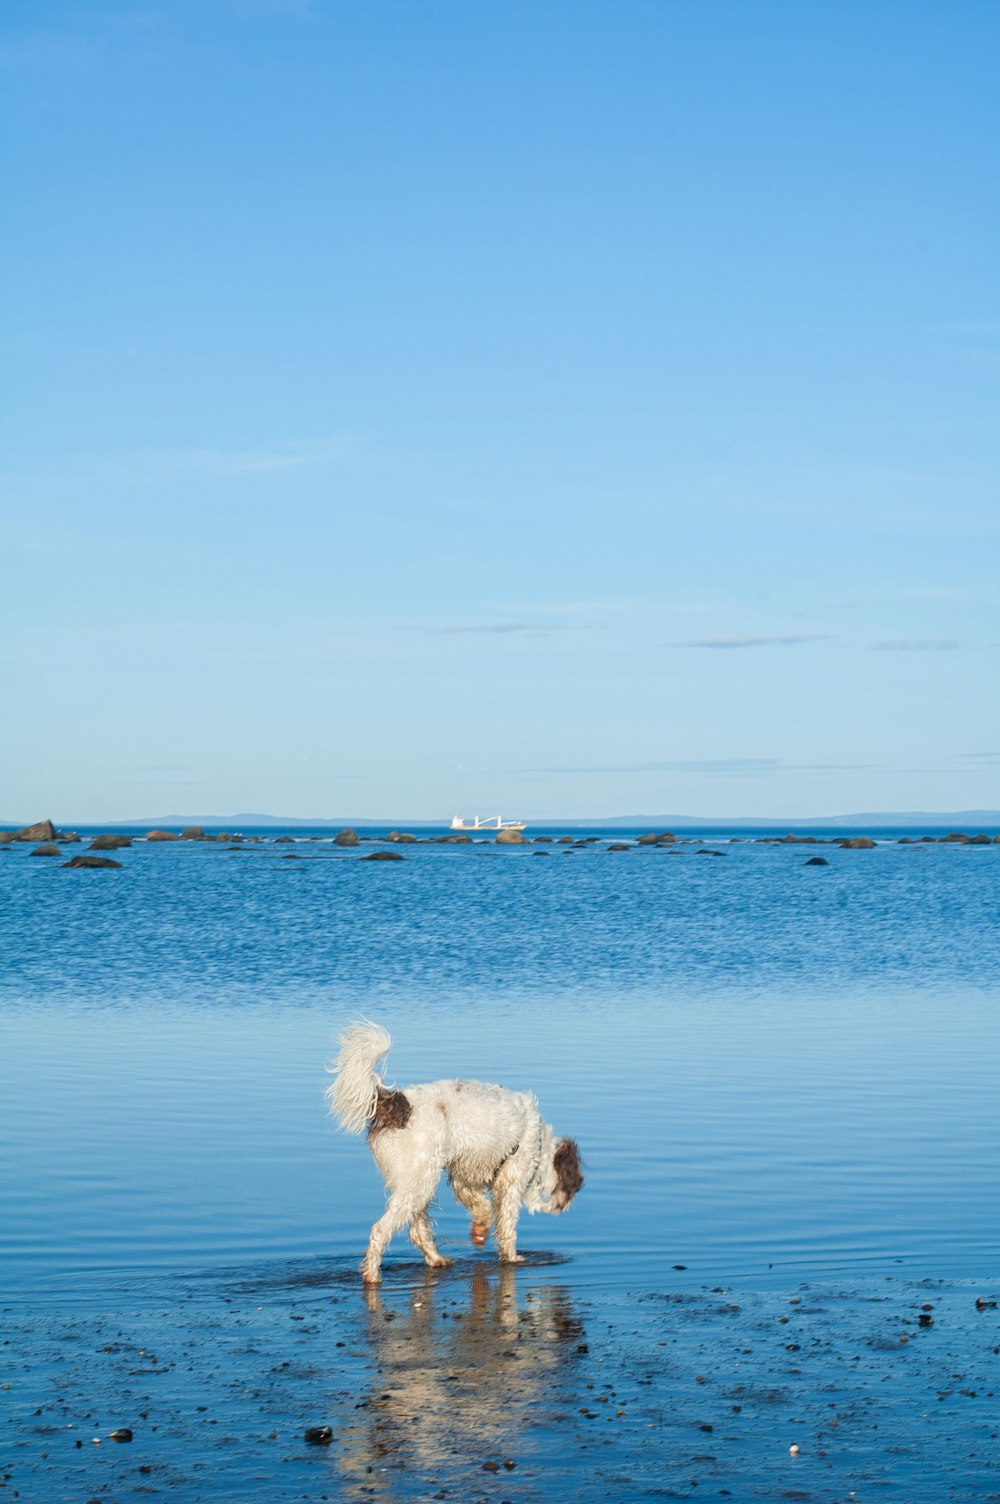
493 823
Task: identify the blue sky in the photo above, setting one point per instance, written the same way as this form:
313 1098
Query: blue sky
560 408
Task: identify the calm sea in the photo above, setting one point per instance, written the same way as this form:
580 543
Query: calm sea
769 1066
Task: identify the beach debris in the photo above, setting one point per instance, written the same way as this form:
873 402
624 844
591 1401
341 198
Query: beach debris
319 1436
985 1305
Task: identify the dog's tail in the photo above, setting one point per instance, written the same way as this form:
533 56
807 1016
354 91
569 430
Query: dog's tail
354 1091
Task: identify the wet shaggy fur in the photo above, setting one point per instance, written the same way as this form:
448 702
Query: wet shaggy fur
494 1147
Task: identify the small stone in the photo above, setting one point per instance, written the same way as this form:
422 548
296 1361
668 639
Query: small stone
319 1436
491 1467
793 1449
123 1433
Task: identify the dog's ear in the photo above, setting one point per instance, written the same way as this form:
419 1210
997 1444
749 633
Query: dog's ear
569 1175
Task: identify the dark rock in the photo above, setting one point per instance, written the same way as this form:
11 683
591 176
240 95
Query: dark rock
224 835
160 835
401 838
282 840
319 1436
565 841
817 861
192 833
109 843
47 850
511 838
956 837
286 856
704 851
91 861
980 840
924 1319
985 1305
649 839
541 853
453 840
346 837
382 856
543 840
42 830
123 1433
856 843
619 846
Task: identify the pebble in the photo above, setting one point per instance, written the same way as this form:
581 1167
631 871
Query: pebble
319 1436
794 1449
122 1434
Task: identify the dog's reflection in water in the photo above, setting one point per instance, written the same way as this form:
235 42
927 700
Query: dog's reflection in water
462 1372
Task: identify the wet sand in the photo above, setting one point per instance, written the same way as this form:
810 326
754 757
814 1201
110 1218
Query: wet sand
487 1384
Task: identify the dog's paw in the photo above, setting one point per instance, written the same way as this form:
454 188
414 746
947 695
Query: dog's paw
438 1262
479 1233
512 1258
368 1278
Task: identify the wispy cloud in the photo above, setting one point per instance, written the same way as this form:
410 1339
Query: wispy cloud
500 629
723 767
919 645
785 640
211 462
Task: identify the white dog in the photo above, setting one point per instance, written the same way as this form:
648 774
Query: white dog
491 1141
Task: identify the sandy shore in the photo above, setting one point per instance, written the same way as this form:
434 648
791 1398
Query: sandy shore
497 1385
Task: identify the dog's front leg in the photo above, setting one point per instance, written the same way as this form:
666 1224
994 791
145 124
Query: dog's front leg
477 1202
508 1188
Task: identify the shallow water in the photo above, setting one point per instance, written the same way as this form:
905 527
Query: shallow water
783 1080
769 1067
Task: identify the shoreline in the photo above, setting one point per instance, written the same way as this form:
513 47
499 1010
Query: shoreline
436 1380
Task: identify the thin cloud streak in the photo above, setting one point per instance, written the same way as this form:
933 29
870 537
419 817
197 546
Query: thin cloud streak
788 640
726 767
919 645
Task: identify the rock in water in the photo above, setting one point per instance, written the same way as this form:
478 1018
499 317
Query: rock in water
91 861
47 850
510 838
346 837
42 830
109 843
856 843
160 835
382 856
817 861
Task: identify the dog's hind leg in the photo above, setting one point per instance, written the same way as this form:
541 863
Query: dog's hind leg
423 1238
478 1203
406 1202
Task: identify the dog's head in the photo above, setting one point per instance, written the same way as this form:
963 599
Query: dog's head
560 1176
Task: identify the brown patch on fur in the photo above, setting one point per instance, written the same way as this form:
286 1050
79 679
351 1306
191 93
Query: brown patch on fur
567 1166
392 1110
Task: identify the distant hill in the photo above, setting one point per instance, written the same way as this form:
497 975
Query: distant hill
967 819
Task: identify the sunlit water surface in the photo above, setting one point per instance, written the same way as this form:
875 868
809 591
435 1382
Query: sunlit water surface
768 1066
